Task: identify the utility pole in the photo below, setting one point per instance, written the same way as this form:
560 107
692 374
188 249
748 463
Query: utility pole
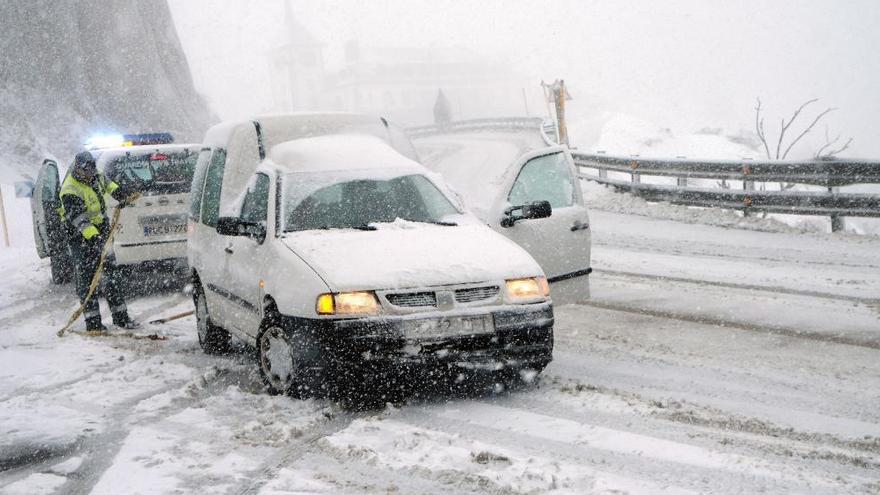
557 93
560 95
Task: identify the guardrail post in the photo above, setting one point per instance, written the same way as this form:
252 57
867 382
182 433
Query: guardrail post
836 221
681 181
748 184
603 173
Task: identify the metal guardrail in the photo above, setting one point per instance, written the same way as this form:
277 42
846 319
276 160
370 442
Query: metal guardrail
828 173
500 123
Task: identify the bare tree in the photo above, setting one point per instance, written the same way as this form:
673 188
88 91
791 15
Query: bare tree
784 128
827 149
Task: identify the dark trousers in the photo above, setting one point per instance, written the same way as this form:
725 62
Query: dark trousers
85 256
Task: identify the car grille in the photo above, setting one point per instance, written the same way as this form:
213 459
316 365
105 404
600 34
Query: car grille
413 299
475 294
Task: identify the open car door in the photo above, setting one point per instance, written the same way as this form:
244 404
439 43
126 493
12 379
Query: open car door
49 235
560 243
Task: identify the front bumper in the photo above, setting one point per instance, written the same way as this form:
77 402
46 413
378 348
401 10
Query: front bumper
130 253
522 337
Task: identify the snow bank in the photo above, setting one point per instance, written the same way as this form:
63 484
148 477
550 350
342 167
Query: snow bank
625 135
600 197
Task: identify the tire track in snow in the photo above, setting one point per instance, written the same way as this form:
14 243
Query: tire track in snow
700 251
754 432
615 450
740 325
39 309
290 453
99 451
135 346
734 285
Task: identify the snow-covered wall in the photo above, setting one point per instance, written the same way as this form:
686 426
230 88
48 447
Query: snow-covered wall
70 68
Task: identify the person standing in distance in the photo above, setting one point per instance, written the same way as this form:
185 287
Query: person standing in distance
84 213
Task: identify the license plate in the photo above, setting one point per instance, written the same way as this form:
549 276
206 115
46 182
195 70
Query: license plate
441 328
164 229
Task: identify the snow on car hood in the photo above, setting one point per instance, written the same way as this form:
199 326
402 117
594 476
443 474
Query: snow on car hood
408 254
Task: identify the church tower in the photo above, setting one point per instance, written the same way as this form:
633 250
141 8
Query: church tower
297 68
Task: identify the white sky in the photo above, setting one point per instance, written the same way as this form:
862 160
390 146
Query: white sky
681 64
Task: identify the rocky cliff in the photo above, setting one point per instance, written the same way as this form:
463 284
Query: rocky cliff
71 68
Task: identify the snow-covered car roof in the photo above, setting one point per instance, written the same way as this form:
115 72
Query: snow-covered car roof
281 128
339 152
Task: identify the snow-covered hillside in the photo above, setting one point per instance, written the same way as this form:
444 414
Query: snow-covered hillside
622 134
71 69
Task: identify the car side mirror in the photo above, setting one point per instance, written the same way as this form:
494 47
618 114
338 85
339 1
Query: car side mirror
235 226
529 211
229 226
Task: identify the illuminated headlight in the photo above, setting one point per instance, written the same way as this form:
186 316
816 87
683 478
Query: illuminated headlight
348 303
524 290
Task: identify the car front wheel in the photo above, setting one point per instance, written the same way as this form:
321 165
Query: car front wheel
289 361
276 361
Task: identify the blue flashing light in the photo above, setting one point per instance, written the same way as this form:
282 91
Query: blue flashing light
105 141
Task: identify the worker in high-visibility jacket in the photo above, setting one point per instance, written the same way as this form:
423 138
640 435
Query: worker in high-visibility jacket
84 212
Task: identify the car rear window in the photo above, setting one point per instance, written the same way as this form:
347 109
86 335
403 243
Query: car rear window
156 172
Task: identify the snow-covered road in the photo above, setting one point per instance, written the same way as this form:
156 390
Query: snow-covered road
710 360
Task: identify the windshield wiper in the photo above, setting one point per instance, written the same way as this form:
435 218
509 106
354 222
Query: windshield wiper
362 226
435 222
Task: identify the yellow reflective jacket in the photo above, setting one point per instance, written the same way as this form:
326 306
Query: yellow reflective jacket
88 221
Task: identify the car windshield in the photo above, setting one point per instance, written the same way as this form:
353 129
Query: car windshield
155 172
344 200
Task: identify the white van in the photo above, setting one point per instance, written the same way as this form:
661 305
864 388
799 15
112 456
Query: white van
339 256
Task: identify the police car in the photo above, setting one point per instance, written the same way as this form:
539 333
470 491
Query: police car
153 229
317 241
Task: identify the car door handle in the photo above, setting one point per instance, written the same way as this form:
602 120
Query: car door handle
578 225
228 250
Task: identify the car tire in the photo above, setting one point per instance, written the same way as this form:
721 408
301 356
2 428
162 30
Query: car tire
62 268
288 360
213 339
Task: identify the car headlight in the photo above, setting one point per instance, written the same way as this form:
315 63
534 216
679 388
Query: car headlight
523 290
348 303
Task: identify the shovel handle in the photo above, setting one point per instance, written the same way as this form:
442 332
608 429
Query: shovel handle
173 317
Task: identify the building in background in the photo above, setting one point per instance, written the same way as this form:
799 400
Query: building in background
297 68
401 83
